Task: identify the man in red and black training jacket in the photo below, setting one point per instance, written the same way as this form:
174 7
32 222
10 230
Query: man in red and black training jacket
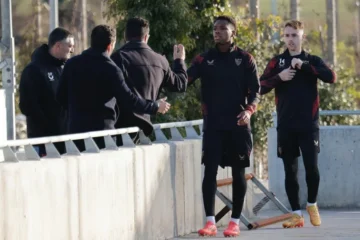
230 90
294 76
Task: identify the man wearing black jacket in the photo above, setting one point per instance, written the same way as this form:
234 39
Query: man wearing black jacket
146 72
294 75
38 85
230 92
91 84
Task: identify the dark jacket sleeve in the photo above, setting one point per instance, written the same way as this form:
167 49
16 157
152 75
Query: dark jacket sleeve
270 78
118 60
318 68
176 80
253 84
62 90
127 98
193 71
30 87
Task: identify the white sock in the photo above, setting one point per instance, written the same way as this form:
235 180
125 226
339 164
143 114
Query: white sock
311 204
211 219
235 220
298 212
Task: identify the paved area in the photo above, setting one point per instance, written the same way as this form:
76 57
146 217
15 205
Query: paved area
344 225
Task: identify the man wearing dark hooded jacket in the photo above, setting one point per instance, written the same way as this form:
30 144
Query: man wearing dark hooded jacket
38 86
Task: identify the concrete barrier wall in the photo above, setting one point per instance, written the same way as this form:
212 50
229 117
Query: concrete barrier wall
339 165
147 192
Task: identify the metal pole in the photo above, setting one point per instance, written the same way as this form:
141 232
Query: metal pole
8 66
54 14
357 32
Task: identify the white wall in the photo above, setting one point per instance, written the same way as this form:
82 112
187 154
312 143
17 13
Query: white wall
147 192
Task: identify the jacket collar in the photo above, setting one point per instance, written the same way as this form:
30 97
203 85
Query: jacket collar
135 45
231 49
42 54
95 52
287 54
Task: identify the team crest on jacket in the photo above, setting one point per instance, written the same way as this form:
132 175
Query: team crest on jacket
238 61
282 62
210 62
50 76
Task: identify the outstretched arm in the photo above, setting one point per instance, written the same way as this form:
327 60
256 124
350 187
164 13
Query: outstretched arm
130 100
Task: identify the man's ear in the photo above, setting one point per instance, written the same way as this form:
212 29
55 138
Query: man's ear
233 33
108 48
146 38
56 45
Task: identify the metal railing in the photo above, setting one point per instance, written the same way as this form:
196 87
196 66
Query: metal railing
10 154
9 147
327 113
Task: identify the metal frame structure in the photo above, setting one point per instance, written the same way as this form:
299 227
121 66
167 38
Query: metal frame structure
7 66
10 146
268 196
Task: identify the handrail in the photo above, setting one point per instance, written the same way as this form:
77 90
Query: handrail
9 153
63 138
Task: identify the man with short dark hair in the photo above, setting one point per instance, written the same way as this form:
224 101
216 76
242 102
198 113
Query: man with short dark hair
91 85
38 86
294 74
230 93
146 72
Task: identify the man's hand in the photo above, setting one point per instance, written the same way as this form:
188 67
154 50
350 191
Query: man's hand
179 52
163 105
287 74
244 118
296 63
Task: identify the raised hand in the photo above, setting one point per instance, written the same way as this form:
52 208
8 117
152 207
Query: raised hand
179 52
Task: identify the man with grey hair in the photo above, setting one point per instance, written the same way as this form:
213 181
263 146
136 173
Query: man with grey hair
38 86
